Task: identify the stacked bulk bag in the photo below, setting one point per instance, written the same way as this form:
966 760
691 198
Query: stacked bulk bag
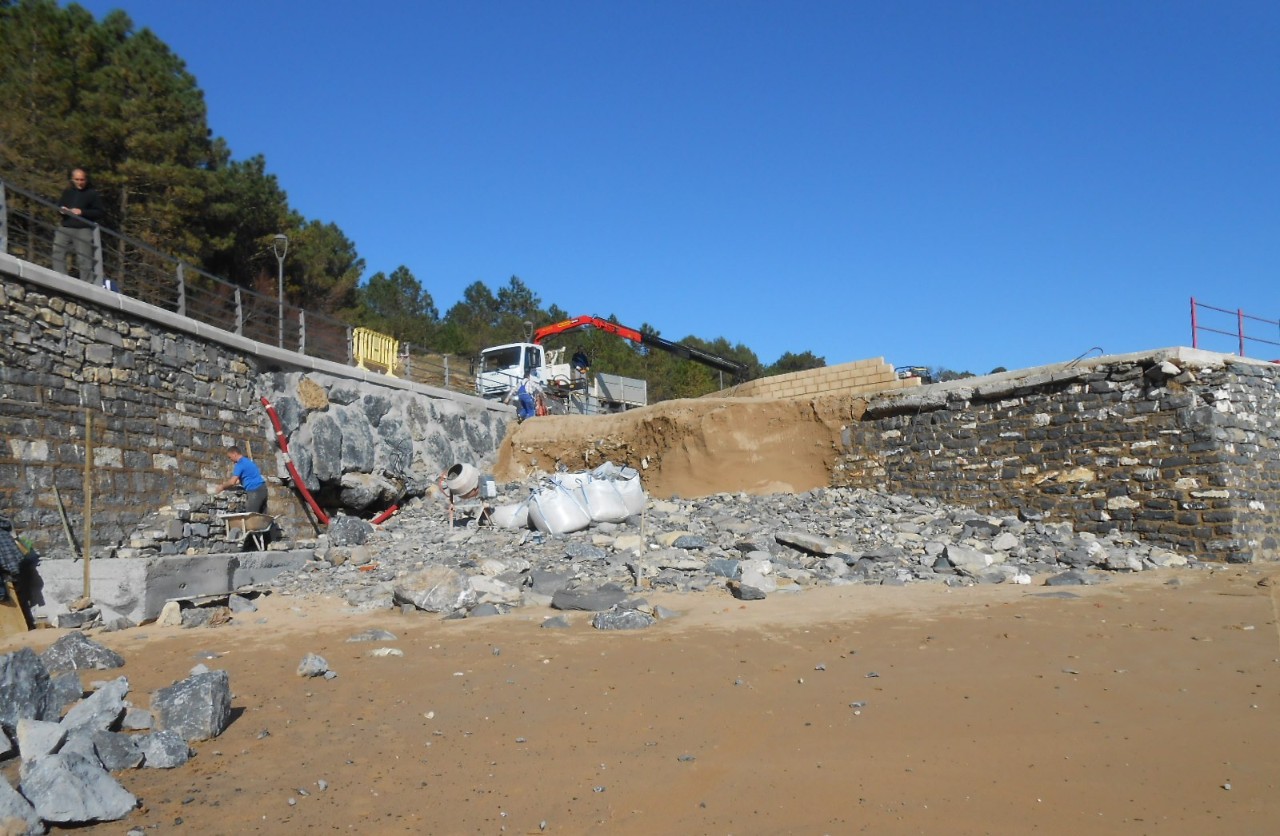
625 482
556 509
567 502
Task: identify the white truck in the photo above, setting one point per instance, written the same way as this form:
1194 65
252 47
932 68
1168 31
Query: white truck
502 367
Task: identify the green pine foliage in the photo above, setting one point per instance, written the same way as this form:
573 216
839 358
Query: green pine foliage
103 95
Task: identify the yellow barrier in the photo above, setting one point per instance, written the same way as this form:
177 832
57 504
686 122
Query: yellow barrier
376 348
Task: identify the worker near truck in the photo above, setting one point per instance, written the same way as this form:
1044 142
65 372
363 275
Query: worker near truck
525 393
247 475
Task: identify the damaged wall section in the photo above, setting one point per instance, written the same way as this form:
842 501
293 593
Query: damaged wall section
1177 445
168 394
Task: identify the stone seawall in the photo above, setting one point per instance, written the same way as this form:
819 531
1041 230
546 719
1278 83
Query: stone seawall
166 395
1179 446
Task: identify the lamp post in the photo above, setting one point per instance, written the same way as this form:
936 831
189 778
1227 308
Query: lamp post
281 247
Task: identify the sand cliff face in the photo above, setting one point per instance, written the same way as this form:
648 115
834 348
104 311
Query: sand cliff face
691 447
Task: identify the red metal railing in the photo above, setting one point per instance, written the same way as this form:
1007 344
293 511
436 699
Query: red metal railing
1239 317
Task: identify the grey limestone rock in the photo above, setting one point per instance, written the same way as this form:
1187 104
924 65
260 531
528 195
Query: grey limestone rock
64 690
137 719
72 789
197 708
622 620
164 749
348 531
588 599
102 709
313 665
17 816
435 589
39 738
116 751
744 592
24 688
75 651
1072 577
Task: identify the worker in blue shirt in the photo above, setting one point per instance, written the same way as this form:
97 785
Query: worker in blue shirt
247 475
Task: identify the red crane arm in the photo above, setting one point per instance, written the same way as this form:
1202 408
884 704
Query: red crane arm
687 352
587 322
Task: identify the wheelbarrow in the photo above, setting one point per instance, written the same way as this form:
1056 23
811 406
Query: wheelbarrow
248 526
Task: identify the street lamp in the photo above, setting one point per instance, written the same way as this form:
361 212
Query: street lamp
281 247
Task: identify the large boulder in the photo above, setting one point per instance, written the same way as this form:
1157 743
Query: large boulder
197 708
72 789
24 688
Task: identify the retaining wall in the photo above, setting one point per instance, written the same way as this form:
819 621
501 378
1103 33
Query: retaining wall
1180 446
167 395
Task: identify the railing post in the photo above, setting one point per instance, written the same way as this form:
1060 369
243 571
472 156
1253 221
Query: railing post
4 220
1240 328
1194 329
446 371
351 348
99 275
302 331
182 291
239 313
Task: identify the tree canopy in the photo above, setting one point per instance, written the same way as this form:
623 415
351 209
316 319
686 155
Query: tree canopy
103 95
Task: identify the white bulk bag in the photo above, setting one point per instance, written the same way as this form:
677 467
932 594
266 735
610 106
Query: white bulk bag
604 502
515 515
626 480
555 510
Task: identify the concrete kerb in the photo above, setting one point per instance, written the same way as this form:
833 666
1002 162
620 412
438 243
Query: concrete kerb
137 588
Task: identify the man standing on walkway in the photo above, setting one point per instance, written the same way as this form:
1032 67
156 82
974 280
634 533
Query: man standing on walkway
248 476
81 208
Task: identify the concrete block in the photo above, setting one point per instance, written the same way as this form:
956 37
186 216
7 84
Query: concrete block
260 567
137 588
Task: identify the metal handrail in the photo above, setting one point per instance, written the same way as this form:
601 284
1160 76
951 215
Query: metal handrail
1239 333
145 273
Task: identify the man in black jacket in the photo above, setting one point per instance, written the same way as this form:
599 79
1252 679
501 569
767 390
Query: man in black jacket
79 204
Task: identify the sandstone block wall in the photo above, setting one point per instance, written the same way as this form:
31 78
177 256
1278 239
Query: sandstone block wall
861 376
1180 446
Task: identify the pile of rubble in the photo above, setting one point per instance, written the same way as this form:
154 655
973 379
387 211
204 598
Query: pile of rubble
190 526
69 744
752 546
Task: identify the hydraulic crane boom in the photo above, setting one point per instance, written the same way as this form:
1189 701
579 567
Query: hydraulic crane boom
686 352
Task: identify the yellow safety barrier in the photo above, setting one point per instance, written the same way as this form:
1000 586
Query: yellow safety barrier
379 349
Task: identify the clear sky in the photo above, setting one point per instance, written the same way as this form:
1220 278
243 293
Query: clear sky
967 184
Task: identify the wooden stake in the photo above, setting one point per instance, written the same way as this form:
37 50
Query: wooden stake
88 495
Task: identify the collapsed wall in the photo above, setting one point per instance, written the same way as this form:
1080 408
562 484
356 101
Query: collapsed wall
1179 446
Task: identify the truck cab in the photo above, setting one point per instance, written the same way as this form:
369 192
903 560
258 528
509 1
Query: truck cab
503 366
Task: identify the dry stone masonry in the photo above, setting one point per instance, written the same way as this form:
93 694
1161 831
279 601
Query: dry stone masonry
1179 446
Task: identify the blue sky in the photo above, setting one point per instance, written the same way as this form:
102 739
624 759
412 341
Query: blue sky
946 183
